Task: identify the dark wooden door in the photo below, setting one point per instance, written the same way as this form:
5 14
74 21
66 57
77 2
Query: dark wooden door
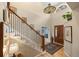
58 34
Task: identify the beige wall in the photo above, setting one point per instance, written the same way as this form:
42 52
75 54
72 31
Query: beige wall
74 50
2 6
75 47
35 15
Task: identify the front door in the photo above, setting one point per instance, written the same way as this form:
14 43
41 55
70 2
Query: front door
58 34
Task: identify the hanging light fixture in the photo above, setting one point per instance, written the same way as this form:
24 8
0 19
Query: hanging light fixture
49 9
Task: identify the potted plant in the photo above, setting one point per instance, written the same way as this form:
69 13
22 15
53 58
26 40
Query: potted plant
67 16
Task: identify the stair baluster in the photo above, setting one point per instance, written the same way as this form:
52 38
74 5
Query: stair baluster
26 32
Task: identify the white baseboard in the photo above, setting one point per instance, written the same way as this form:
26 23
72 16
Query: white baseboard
67 54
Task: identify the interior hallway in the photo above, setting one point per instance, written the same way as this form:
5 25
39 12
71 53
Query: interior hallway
34 33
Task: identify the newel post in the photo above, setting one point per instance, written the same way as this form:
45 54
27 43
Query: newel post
1 39
43 43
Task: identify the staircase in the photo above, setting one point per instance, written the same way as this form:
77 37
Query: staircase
17 27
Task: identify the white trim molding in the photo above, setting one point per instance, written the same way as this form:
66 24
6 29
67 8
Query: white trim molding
66 54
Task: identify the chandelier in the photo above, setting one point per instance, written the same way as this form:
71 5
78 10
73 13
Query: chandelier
49 9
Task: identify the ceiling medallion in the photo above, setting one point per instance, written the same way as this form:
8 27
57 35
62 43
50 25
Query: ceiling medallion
49 9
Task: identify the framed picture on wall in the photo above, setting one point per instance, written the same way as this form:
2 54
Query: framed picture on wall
45 31
68 33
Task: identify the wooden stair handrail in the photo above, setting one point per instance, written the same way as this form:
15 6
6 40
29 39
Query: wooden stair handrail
24 22
42 37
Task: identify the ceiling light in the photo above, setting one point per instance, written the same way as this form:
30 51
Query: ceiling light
49 9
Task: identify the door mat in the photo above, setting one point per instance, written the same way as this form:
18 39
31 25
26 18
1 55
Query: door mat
52 48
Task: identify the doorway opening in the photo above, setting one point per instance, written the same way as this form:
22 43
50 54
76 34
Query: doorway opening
58 40
59 34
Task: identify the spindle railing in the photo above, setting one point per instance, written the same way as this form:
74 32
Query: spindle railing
24 30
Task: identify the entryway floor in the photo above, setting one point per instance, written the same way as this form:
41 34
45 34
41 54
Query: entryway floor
51 48
59 53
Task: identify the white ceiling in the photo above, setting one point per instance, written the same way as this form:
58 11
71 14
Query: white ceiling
34 6
33 10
